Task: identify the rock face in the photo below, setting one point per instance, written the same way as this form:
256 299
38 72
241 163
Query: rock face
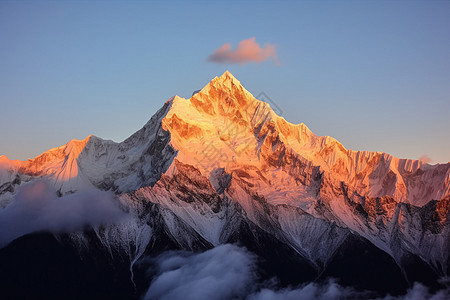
222 167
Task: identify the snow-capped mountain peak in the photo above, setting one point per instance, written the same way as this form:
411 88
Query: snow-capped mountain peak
224 126
223 167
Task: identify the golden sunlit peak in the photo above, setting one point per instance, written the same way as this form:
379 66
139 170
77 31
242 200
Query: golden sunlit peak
225 82
80 143
227 74
226 79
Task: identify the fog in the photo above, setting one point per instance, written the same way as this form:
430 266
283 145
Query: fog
229 272
36 207
224 272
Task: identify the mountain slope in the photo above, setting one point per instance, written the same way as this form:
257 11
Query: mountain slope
222 167
224 126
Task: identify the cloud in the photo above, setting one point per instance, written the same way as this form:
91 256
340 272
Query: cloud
425 159
330 290
224 272
37 208
419 291
246 52
229 272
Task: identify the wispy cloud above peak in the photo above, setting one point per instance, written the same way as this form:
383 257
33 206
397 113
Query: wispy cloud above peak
425 159
247 51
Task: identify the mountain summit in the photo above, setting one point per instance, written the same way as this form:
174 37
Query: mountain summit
223 167
224 126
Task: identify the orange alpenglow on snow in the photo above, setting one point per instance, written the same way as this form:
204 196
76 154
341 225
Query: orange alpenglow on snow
224 126
57 164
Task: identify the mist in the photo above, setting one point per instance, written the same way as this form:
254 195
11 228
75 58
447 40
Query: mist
229 272
224 272
36 207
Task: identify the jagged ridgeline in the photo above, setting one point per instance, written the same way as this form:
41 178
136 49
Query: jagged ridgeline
223 167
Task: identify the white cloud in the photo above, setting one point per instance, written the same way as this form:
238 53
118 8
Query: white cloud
229 272
37 208
313 291
224 272
420 292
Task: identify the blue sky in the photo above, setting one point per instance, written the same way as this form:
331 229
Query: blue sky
373 74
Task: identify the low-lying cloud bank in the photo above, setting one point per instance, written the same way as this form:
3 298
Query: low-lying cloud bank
224 272
332 290
228 272
36 207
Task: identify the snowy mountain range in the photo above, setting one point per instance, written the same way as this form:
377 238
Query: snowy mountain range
222 167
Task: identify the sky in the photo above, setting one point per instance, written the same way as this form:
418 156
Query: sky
373 74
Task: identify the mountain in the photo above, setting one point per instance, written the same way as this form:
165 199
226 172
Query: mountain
223 167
